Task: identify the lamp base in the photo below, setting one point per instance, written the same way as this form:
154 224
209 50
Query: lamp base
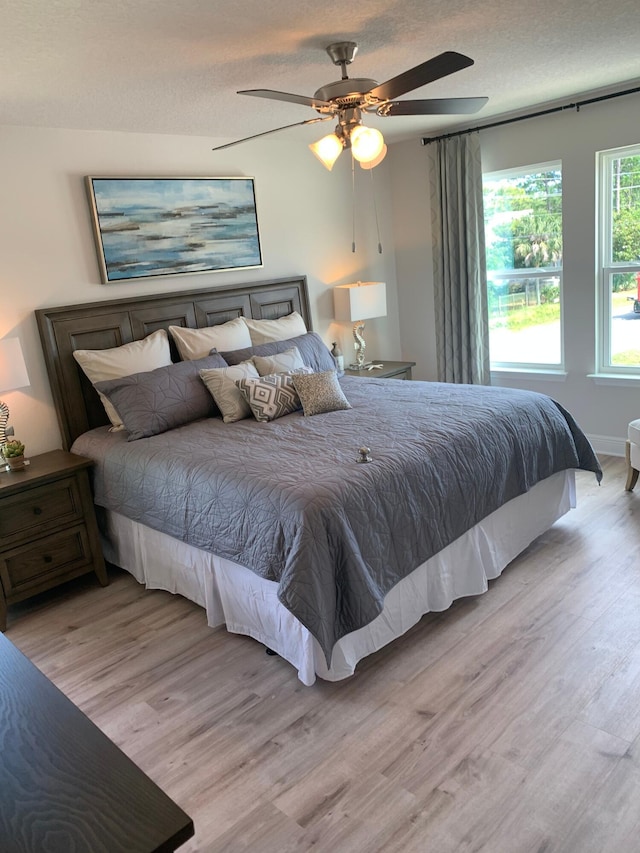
359 345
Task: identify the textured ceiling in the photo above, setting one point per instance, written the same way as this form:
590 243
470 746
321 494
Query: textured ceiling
173 66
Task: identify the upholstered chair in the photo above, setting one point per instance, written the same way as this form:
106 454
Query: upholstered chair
633 454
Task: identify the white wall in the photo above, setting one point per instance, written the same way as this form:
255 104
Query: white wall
47 249
574 138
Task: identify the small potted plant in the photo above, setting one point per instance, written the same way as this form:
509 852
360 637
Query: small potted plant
13 452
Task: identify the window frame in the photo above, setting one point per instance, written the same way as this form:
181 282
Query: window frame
605 266
532 272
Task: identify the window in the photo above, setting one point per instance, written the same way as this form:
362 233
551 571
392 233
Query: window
619 250
523 235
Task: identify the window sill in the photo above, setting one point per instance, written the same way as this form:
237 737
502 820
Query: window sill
536 374
628 380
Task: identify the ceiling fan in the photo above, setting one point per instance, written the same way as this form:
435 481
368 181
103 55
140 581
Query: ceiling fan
348 98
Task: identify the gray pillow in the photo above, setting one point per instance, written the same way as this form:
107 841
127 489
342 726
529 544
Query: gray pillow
320 393
313 350
159 400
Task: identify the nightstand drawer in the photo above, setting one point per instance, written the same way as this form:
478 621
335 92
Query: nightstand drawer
55 556
39 509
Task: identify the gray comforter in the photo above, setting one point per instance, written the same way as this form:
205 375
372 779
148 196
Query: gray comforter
288 499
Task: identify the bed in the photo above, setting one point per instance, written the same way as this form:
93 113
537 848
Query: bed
276 528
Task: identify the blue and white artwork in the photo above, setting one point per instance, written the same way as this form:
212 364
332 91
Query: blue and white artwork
171 226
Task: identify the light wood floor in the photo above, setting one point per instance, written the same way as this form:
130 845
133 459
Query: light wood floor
508 724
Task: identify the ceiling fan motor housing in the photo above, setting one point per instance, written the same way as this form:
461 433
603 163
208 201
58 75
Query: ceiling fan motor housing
346 93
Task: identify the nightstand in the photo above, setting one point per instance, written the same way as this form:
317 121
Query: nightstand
48 529
389 370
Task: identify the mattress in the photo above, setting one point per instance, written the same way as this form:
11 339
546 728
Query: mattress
288 500
246 603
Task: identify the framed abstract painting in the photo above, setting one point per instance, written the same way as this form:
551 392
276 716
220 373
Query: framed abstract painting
173 226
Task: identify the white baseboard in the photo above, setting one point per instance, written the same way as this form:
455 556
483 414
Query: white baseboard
608 445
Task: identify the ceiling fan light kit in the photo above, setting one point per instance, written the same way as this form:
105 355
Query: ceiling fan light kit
348 98
366 144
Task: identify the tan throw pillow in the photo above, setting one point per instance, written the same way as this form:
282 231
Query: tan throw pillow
264 331
114 363
221 384
198 343
320 392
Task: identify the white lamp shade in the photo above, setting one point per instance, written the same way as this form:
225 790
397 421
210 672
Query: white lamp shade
13 370
360 301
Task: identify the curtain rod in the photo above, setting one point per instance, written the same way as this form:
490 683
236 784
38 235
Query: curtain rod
575 106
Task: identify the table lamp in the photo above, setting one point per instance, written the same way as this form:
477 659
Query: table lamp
356 303
13 374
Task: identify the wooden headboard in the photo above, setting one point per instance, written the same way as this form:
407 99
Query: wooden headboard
100 325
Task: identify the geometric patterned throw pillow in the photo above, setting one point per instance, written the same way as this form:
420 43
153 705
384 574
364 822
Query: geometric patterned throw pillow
271 396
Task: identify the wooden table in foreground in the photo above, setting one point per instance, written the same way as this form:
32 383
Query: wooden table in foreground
64 786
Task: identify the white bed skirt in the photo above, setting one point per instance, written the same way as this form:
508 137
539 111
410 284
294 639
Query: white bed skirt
247 604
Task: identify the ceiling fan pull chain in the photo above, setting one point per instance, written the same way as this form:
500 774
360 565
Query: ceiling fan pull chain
375 210
353 204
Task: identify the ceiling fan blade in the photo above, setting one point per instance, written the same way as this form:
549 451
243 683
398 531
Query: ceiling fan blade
432 107
286 96
433 69
273 130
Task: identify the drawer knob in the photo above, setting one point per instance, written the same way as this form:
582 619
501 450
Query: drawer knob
37 510
48 558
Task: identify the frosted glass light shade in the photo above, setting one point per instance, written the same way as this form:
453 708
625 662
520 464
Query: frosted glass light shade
366 143
327 150
360 301
371 164
13 370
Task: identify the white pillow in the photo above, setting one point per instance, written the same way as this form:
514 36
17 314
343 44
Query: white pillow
282 362
137 357
198 343
265 331
221 384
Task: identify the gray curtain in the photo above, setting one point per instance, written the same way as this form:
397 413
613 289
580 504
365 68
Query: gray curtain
460 281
